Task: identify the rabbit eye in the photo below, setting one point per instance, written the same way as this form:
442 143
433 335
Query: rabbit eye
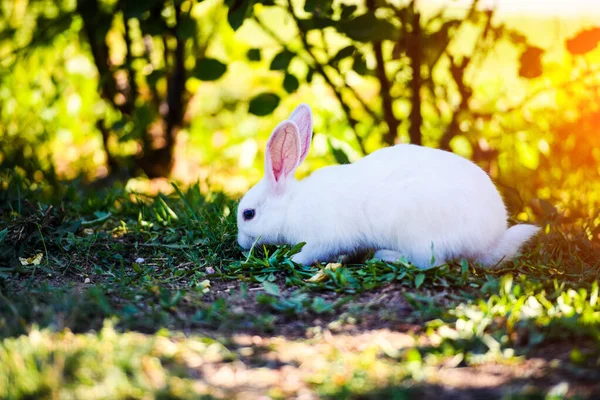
248 214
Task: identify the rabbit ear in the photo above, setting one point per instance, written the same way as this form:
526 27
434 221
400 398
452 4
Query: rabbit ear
302 116
282 155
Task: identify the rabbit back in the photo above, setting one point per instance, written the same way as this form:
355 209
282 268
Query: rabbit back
423 202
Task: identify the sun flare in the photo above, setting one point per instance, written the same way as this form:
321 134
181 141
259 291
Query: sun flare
540 7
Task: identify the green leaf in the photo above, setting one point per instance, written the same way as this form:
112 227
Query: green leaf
340 156
437 42
189 207
135 9
594 294
71 227
282 60
413 355
310 6
309 75
263 104
315 23
49 28
253 55
506 284
136 267
320 306
347 11
265 299
368 28
319 6
419 279
186 29
142 117
464 269
296 249
290 83
168 301
101 217
359 64
343 53
153 25
271 288
130 310
3 234
209 69
153 77
238 12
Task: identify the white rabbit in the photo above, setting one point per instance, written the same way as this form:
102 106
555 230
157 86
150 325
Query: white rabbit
428 205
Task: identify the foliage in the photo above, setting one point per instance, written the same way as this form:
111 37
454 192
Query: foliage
129 84
445 47
136 70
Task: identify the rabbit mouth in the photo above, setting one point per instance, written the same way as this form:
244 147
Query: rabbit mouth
245 241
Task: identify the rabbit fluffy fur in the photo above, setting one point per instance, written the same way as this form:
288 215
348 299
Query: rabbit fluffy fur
428 205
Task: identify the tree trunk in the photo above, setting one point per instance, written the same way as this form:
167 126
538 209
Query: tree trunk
159 162
391 121
414 53
457 71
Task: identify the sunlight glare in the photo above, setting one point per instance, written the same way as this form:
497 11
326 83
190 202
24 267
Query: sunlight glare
539 7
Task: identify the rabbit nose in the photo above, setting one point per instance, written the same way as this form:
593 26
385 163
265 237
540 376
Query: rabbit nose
245 241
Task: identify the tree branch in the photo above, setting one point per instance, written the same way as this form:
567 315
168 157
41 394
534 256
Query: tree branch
318 67
132 92
386 97
529 98
414 54
384 89
148 55
175 93
472 11
111 162
458 75
95 25
158 162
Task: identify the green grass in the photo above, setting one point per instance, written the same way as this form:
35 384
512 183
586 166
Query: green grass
150 297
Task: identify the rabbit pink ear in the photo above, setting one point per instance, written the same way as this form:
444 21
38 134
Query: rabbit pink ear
302 117
283 154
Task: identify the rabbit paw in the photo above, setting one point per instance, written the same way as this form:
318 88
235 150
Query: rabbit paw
423 261
304 258
387 255
310 255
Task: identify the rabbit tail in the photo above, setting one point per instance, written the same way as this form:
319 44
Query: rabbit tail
509 244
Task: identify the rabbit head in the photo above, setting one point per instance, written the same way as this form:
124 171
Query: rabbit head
262 210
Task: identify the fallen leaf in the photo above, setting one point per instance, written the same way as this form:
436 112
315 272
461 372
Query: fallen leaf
205 286
35 260
321 275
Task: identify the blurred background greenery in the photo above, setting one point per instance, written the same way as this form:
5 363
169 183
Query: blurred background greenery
122 91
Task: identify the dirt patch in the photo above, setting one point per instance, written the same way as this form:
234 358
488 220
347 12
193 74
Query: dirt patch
330 363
